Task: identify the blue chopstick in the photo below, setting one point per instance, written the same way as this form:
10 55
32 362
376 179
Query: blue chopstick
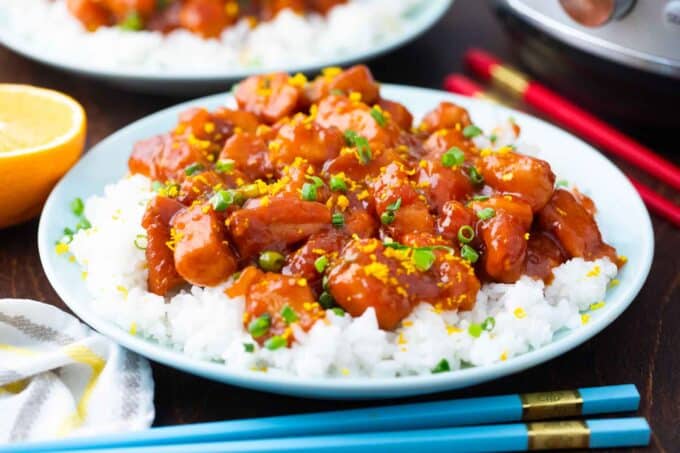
438 414
606 433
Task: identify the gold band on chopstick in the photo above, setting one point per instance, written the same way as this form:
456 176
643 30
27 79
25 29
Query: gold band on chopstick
509 80
557 404
558 435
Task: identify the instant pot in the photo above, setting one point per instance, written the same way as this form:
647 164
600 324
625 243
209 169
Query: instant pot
618 58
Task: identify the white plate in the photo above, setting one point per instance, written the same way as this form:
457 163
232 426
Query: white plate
196 83
622 217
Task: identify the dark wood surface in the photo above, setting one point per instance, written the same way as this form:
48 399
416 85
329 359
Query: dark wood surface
640 347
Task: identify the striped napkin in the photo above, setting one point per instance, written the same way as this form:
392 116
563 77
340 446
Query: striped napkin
59 378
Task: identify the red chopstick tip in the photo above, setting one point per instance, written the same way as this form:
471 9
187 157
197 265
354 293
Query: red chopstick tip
481 62
458 83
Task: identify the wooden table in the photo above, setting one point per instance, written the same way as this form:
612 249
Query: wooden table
640 347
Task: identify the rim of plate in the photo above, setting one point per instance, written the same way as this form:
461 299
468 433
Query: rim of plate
432 11
362 387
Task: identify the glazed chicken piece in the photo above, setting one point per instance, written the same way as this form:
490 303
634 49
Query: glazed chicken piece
301 262
527 177
276 224
543 254
202 254
283 300
507 204
447 115
163 159
207 18
504 247
454 215
269 97
443 140
250 155
442 184
310 141
357 79
163 276
396 112
90 13
575 228
121 9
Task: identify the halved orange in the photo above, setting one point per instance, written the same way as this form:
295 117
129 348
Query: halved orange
42 134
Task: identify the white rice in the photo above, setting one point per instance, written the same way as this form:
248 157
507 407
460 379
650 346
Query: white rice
287 41
205 323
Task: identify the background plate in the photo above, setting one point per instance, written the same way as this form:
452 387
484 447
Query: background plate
622 217
196 83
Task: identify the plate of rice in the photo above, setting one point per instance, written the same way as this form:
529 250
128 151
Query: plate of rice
336 238
169 50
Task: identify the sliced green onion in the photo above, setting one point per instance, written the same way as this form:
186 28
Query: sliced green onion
69 232
77 206
83 224
309 192
338 311
469 254
337 184
562 183
225 165
475 330
387 217
471 131
222 199
486 213
378 116
249 347
453 157
132 22
320 264
361 144
395 245
275 342
271 261
489 323
157 185
289 315
394 206
493 138
441 367
337 92
475 176
193 169
326 300
466 234
338 220
480 197
324 283
141 241
259 326
423 258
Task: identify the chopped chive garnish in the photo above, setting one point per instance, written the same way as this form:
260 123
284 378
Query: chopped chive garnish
249 347
193 169
338 220
141 241
471 131
390 213
486 213
83 224
69 232
309 192
480 197
475 176
338 311
453 157
271 261
394 206
275 342
466 234
157 185
493 138
562 183
337 184
326 300
489 323
223 199
378 116
320 264
259 326
289 315
361 144
475 330
132 22
469 254
77 206
225 166
423 258
324 282
441 367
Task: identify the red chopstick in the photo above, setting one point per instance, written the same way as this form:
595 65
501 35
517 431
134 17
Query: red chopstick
661 206
573 117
